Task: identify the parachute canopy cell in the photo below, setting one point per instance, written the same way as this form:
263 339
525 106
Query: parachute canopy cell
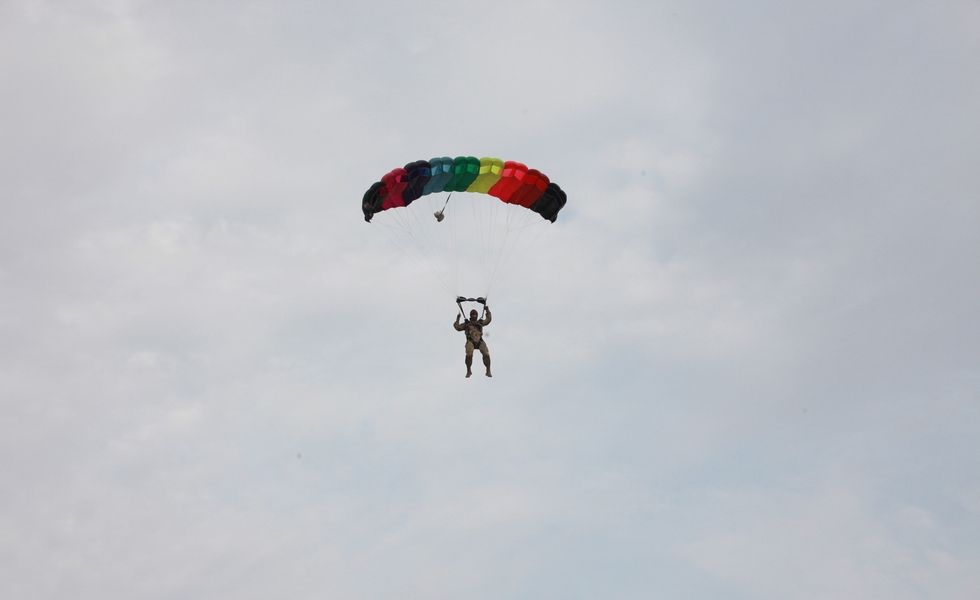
511 182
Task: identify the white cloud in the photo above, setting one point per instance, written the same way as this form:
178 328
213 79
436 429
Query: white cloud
217 381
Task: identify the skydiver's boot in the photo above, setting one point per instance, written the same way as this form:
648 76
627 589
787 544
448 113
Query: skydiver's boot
486 363
469 363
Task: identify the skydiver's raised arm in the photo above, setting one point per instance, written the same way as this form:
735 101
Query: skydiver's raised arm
486 321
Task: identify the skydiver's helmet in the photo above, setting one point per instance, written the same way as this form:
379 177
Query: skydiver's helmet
474 314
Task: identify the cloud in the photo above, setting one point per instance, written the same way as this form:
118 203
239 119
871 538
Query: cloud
743 362
832 546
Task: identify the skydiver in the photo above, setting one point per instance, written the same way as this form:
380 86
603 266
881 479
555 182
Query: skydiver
474 338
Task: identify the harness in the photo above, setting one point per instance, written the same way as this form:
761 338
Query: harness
470 326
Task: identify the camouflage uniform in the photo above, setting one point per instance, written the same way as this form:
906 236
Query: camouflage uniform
474 334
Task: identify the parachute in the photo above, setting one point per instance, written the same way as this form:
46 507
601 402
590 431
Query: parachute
511 182
494 212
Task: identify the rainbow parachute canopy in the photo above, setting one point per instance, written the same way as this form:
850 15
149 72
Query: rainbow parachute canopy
511 182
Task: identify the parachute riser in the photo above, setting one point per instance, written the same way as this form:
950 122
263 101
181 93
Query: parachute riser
461 299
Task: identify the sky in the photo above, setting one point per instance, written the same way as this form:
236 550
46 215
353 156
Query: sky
744 363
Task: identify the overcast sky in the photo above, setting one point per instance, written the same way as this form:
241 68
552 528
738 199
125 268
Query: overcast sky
743 364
